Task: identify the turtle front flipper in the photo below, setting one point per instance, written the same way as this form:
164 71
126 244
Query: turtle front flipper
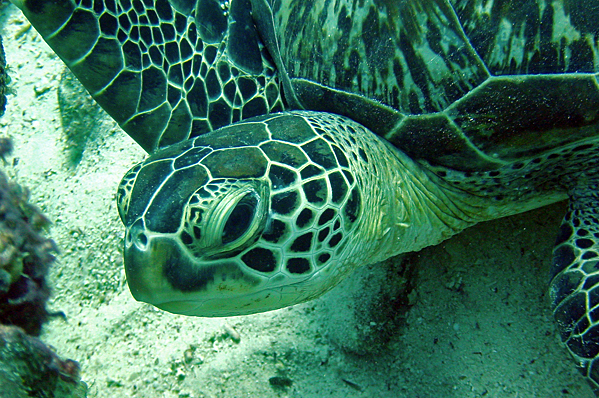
164 70
574 289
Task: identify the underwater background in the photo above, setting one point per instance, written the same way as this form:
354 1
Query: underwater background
467 318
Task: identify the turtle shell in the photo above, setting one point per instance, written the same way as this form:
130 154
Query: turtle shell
468 85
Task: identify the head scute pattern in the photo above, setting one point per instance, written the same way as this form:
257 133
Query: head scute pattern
282 201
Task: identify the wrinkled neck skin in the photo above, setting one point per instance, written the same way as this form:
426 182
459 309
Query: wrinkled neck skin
407 206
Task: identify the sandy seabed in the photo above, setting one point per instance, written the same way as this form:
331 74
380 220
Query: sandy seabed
479 326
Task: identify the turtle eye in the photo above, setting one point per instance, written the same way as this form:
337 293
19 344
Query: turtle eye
240 219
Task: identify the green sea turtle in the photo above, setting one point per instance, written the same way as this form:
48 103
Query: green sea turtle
401 123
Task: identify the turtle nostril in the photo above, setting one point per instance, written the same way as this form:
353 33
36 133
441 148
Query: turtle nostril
141 240
136 236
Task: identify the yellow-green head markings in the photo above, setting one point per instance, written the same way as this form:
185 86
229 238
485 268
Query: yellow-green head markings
223 222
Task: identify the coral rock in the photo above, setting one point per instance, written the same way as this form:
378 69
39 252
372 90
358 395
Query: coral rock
29 368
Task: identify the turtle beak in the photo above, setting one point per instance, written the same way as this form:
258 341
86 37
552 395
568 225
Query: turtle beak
146 264
161 272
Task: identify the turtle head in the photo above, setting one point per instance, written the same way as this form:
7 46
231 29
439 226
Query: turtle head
249 218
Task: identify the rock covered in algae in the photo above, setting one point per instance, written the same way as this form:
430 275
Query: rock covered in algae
29 368
25 259
25 254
